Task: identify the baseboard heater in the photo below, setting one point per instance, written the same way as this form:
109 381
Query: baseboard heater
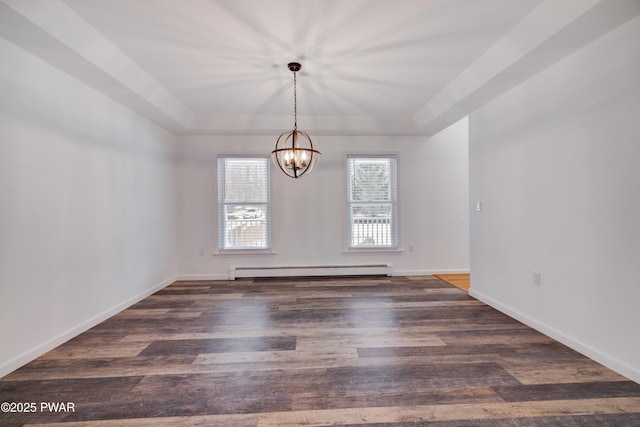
311 271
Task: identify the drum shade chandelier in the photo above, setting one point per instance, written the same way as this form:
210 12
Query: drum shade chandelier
294 153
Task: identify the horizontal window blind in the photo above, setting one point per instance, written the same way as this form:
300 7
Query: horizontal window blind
372 201
244 211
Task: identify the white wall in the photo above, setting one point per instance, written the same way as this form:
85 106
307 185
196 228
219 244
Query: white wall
309 214
556 162
87 215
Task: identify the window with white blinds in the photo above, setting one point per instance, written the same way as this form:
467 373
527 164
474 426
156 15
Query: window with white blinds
244 212
372 201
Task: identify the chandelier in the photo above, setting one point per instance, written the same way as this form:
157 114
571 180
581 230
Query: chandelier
294 153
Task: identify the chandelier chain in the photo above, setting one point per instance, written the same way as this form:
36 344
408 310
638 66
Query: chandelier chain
295 103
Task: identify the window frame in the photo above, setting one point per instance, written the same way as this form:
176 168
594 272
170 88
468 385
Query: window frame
221 204
393 202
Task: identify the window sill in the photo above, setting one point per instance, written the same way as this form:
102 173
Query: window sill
243 252
372 251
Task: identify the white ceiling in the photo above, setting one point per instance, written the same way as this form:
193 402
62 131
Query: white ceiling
359 57
368 66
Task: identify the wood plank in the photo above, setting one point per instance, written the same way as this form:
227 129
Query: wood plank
472 411
583 390
218 345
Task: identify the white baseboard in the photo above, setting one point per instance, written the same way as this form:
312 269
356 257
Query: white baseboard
428 272
37 351
187 277
577 345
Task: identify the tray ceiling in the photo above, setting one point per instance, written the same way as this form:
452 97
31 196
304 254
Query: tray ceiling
379 67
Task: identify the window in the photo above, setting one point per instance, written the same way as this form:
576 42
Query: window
372 201
244 220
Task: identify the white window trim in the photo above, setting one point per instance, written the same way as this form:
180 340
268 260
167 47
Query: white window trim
373 251
355 250
242 250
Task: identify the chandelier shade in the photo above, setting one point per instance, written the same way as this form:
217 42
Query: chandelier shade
294 152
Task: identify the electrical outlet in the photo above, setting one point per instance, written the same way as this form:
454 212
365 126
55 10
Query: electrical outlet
536 278
479 206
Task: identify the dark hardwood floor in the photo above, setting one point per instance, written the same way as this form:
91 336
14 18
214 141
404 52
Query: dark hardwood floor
401 351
